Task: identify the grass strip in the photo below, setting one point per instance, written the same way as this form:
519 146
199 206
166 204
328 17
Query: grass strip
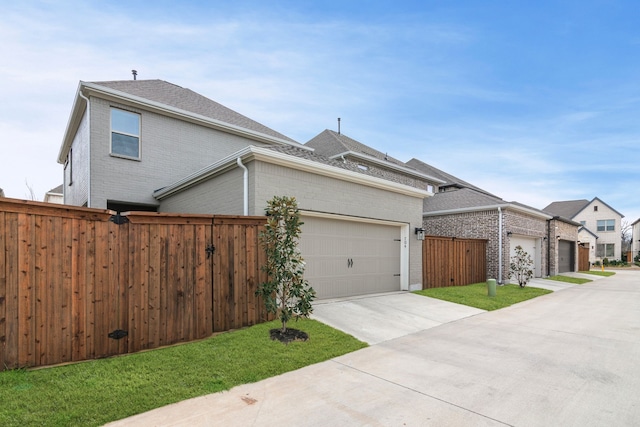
96 392
567 279
599 273
475 295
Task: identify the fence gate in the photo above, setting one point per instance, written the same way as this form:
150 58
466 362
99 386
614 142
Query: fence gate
80 283
448 261
583 258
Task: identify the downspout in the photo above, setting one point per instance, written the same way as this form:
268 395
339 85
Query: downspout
548 247
499 245
245 180
88 148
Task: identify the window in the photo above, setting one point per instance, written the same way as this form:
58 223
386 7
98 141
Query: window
605 250
430 188
583 223
606 225
125 133
595 208
363 167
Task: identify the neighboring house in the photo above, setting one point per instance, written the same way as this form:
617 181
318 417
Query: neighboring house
153 145
465 211
55 195
601 226
635 239
340 147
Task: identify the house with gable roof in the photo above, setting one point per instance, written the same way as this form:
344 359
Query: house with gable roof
462 210
600 226
153 145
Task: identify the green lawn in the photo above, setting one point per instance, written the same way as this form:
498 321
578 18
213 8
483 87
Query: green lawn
96 392
475 295
567 279
599 273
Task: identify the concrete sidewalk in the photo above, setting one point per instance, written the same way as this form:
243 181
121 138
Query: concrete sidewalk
567 358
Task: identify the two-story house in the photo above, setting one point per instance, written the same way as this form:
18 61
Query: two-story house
600 226
153 145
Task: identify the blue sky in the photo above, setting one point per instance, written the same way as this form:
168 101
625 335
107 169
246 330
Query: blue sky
533 101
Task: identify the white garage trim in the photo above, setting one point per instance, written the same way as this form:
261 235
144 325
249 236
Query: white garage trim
404 237
531 245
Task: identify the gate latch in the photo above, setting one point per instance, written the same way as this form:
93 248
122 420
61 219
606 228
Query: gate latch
210 249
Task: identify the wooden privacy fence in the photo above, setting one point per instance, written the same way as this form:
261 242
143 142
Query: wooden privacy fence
583 258
448 261
79 283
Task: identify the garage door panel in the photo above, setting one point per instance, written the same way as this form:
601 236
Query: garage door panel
346 258
531 246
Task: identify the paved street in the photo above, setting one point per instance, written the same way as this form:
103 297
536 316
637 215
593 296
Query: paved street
570 358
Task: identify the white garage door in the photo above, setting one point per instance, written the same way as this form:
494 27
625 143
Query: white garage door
347 258
530 245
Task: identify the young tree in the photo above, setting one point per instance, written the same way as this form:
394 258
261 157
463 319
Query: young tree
285 292
521 266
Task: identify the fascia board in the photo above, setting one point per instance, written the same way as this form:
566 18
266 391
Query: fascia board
185 115
286 160
293 162
387 165
77 111
488 208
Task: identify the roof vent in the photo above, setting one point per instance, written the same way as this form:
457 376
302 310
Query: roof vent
135 74
338 125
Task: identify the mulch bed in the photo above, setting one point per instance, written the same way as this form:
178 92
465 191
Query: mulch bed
289 335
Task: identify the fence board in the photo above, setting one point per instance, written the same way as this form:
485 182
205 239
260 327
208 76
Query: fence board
3 290
69 277
453 262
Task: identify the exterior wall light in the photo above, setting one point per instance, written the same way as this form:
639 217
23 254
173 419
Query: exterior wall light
419 233
509 233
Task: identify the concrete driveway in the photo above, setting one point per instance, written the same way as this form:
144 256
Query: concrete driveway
377 318
569 358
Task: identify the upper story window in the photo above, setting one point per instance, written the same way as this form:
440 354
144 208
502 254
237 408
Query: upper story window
125 133
595 208
606 225
363 167
430 188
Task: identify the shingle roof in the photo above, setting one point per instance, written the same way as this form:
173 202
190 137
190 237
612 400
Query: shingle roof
314 156
329 143
185 99
567 208
460 199
56 190
449 179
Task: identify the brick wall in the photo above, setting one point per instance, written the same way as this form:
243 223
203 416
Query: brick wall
484 225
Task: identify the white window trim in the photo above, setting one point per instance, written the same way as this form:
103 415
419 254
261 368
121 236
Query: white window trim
139 135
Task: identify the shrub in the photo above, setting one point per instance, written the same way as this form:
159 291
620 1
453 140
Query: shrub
521 266
605 261
285 292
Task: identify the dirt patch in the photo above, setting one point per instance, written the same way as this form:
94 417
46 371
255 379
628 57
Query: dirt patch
289 335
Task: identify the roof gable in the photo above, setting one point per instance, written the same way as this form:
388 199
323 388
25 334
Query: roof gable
571 208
